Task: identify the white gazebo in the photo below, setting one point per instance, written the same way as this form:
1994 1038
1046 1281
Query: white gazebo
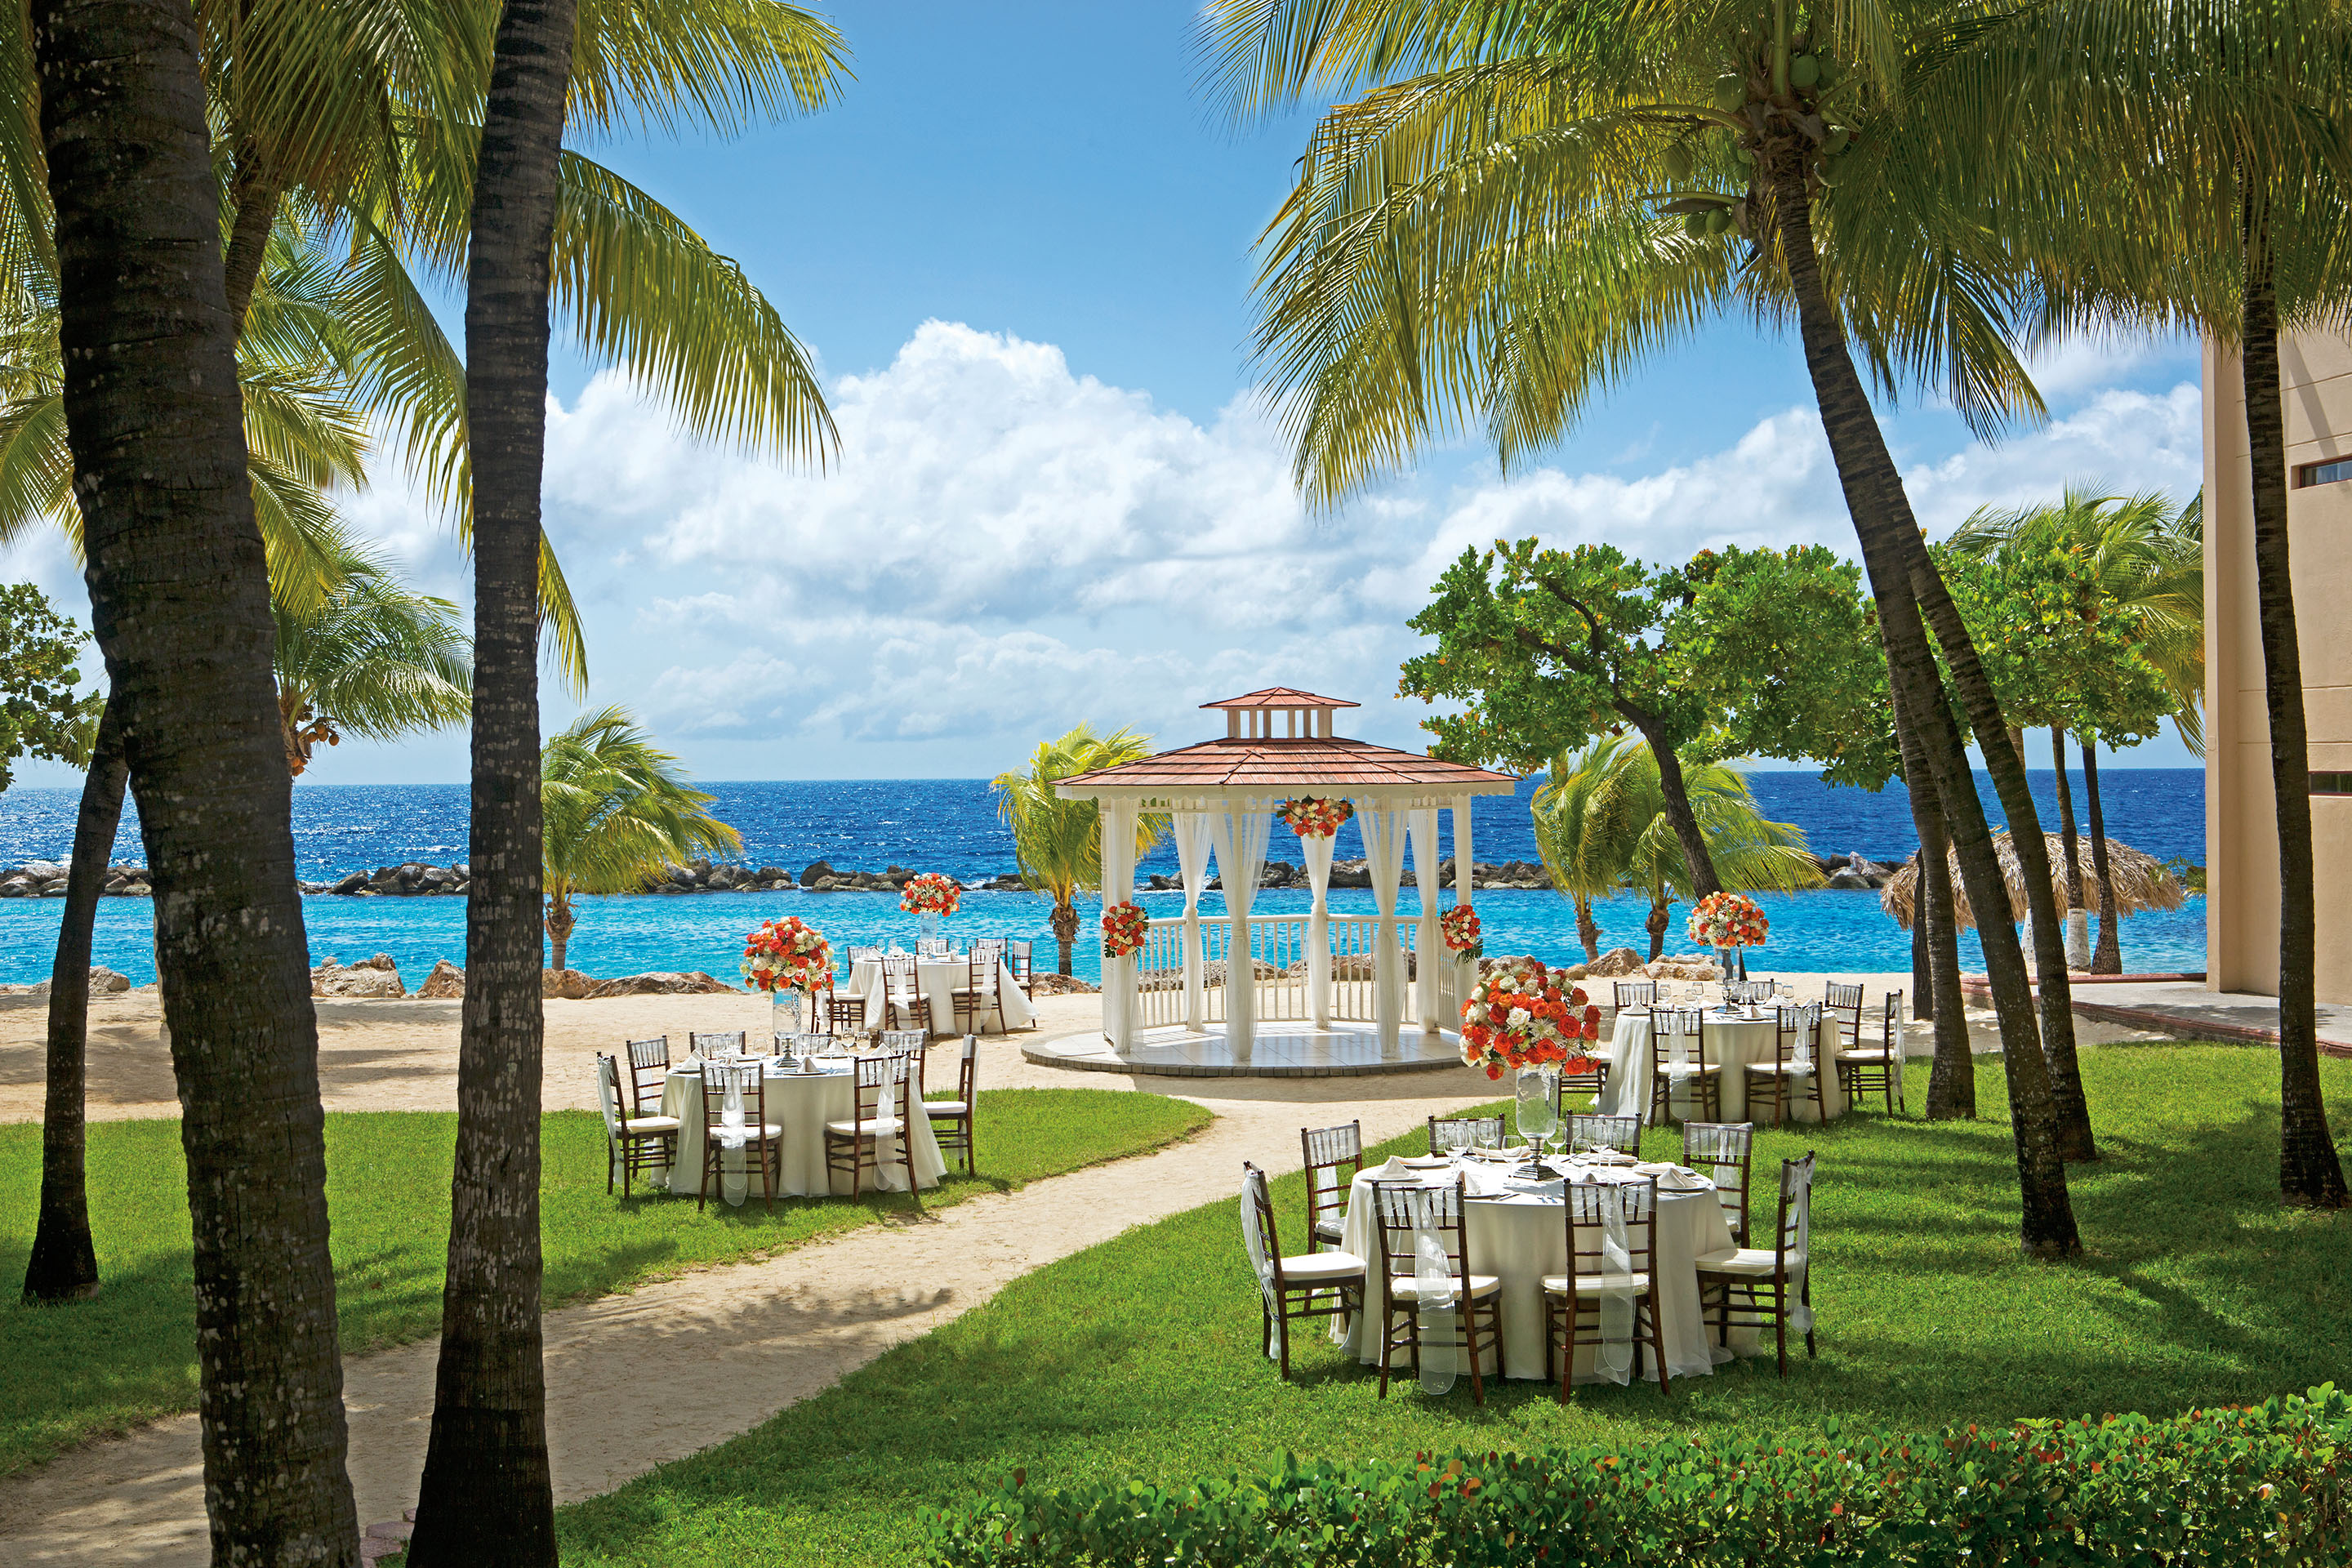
1297 993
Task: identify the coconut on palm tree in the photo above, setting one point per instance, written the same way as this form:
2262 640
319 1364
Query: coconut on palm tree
1600 824
1057 843
615 809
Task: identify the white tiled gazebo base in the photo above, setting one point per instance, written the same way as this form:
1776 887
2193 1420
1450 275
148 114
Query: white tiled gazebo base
1341 1052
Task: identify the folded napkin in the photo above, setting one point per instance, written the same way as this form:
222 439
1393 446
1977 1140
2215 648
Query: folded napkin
1396 1170
1673 1178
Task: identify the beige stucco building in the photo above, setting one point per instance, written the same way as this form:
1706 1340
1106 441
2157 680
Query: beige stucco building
2240 825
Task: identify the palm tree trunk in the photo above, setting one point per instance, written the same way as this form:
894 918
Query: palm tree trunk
559 922
1065 930
1679 816
487 1496
256 194
1952 1078
2309 1170
179 588
2078 955
2108 958
1923 992
1657 927
64 1265
1889 537
1588 930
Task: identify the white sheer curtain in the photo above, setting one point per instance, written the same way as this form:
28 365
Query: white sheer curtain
1241 835
1383 834
1193 862
1430 956
1317 851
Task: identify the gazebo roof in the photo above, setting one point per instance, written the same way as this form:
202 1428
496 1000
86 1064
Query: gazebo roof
1269 767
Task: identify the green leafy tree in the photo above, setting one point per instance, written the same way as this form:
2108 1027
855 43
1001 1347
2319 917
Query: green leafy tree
1547 648
1057 843
41 712
373 658
1586 825
617 809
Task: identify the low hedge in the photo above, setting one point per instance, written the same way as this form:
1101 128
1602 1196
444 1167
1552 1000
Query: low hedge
2263 1484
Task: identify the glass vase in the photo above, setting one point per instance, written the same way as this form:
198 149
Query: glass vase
927 925
784 1004
1538 1103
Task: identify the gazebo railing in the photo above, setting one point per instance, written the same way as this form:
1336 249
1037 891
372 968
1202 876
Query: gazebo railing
1278 954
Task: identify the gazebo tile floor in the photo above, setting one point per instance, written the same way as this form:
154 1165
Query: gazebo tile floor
1302 1053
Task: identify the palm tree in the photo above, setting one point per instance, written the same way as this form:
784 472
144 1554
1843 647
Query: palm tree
1057 843
617 810
1625 839
372 660
180 595
1530 200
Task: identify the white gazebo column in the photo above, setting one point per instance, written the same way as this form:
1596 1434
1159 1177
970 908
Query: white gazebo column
1383 834
1118 887
1241 835
1193 863
1317 848
1463 806
1429 948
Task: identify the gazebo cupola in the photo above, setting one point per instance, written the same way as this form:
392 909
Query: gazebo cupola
1280 712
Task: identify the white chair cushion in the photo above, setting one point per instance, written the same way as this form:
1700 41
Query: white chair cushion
944 1108
651 1124
770 1131
1318 1267
1592 1284
1780 1069
877 1124
1400 1285
1873 1054
1738 1260
1330 1228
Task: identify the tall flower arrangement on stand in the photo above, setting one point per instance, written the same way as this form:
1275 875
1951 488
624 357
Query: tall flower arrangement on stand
1731 923
930 893
1312 817
787 955
1521 1014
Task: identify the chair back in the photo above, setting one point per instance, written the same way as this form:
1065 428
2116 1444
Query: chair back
1258 1236
967 1074
1461 1132
842 1012
1891 1023
1408 1209
1794 1028
1636 993
934 947
981 971
648 1068
1589 1129
898 974
746 1082
608 1095
814 1044
882 1082
707 1047
1723 1149
858 956
990 947
1793 1242
1019 952
1591 1205
1334 1156
1844 1002
1669 1026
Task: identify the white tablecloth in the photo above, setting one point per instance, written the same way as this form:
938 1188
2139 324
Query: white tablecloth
939 979
800 1103
1730 1044
1522 1237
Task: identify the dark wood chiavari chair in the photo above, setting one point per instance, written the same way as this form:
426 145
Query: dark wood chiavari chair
1460 1132
1774 1282
716 1045
903 1005
1294 1289
975 999
634 1142
1405 1208
1876 1070
764 1140
1723 1149
648 1074
1579 1084
1334 1157
1636 993
1702 1080
881 1106
1590 1130
1844 1003
1570 1299
1019 954
953 1119
1792 1071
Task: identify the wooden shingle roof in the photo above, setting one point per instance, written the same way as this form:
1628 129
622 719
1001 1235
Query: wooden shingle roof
1280 768
1282 697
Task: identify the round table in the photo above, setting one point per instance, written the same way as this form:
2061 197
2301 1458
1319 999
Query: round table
1733 1040
1521 1236
939 979
801 1103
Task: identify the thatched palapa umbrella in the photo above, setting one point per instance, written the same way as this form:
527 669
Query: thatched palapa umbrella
2141 882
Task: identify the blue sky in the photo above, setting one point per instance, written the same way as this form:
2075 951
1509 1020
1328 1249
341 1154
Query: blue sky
1020 248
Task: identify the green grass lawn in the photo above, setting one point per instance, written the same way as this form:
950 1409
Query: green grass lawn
1137 1358
71 1372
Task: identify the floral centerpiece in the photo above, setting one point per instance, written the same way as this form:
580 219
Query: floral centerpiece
1311 817
788 960
1124 927
1459 926
1521 1014
930 893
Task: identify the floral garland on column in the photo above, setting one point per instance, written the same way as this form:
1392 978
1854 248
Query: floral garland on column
1313 817
1459 926
1124 928
1520 1014
787 955
930 893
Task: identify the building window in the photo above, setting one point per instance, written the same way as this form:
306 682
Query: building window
2331 784
2323 473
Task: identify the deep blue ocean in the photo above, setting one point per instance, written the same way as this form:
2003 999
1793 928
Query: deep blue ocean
951 825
